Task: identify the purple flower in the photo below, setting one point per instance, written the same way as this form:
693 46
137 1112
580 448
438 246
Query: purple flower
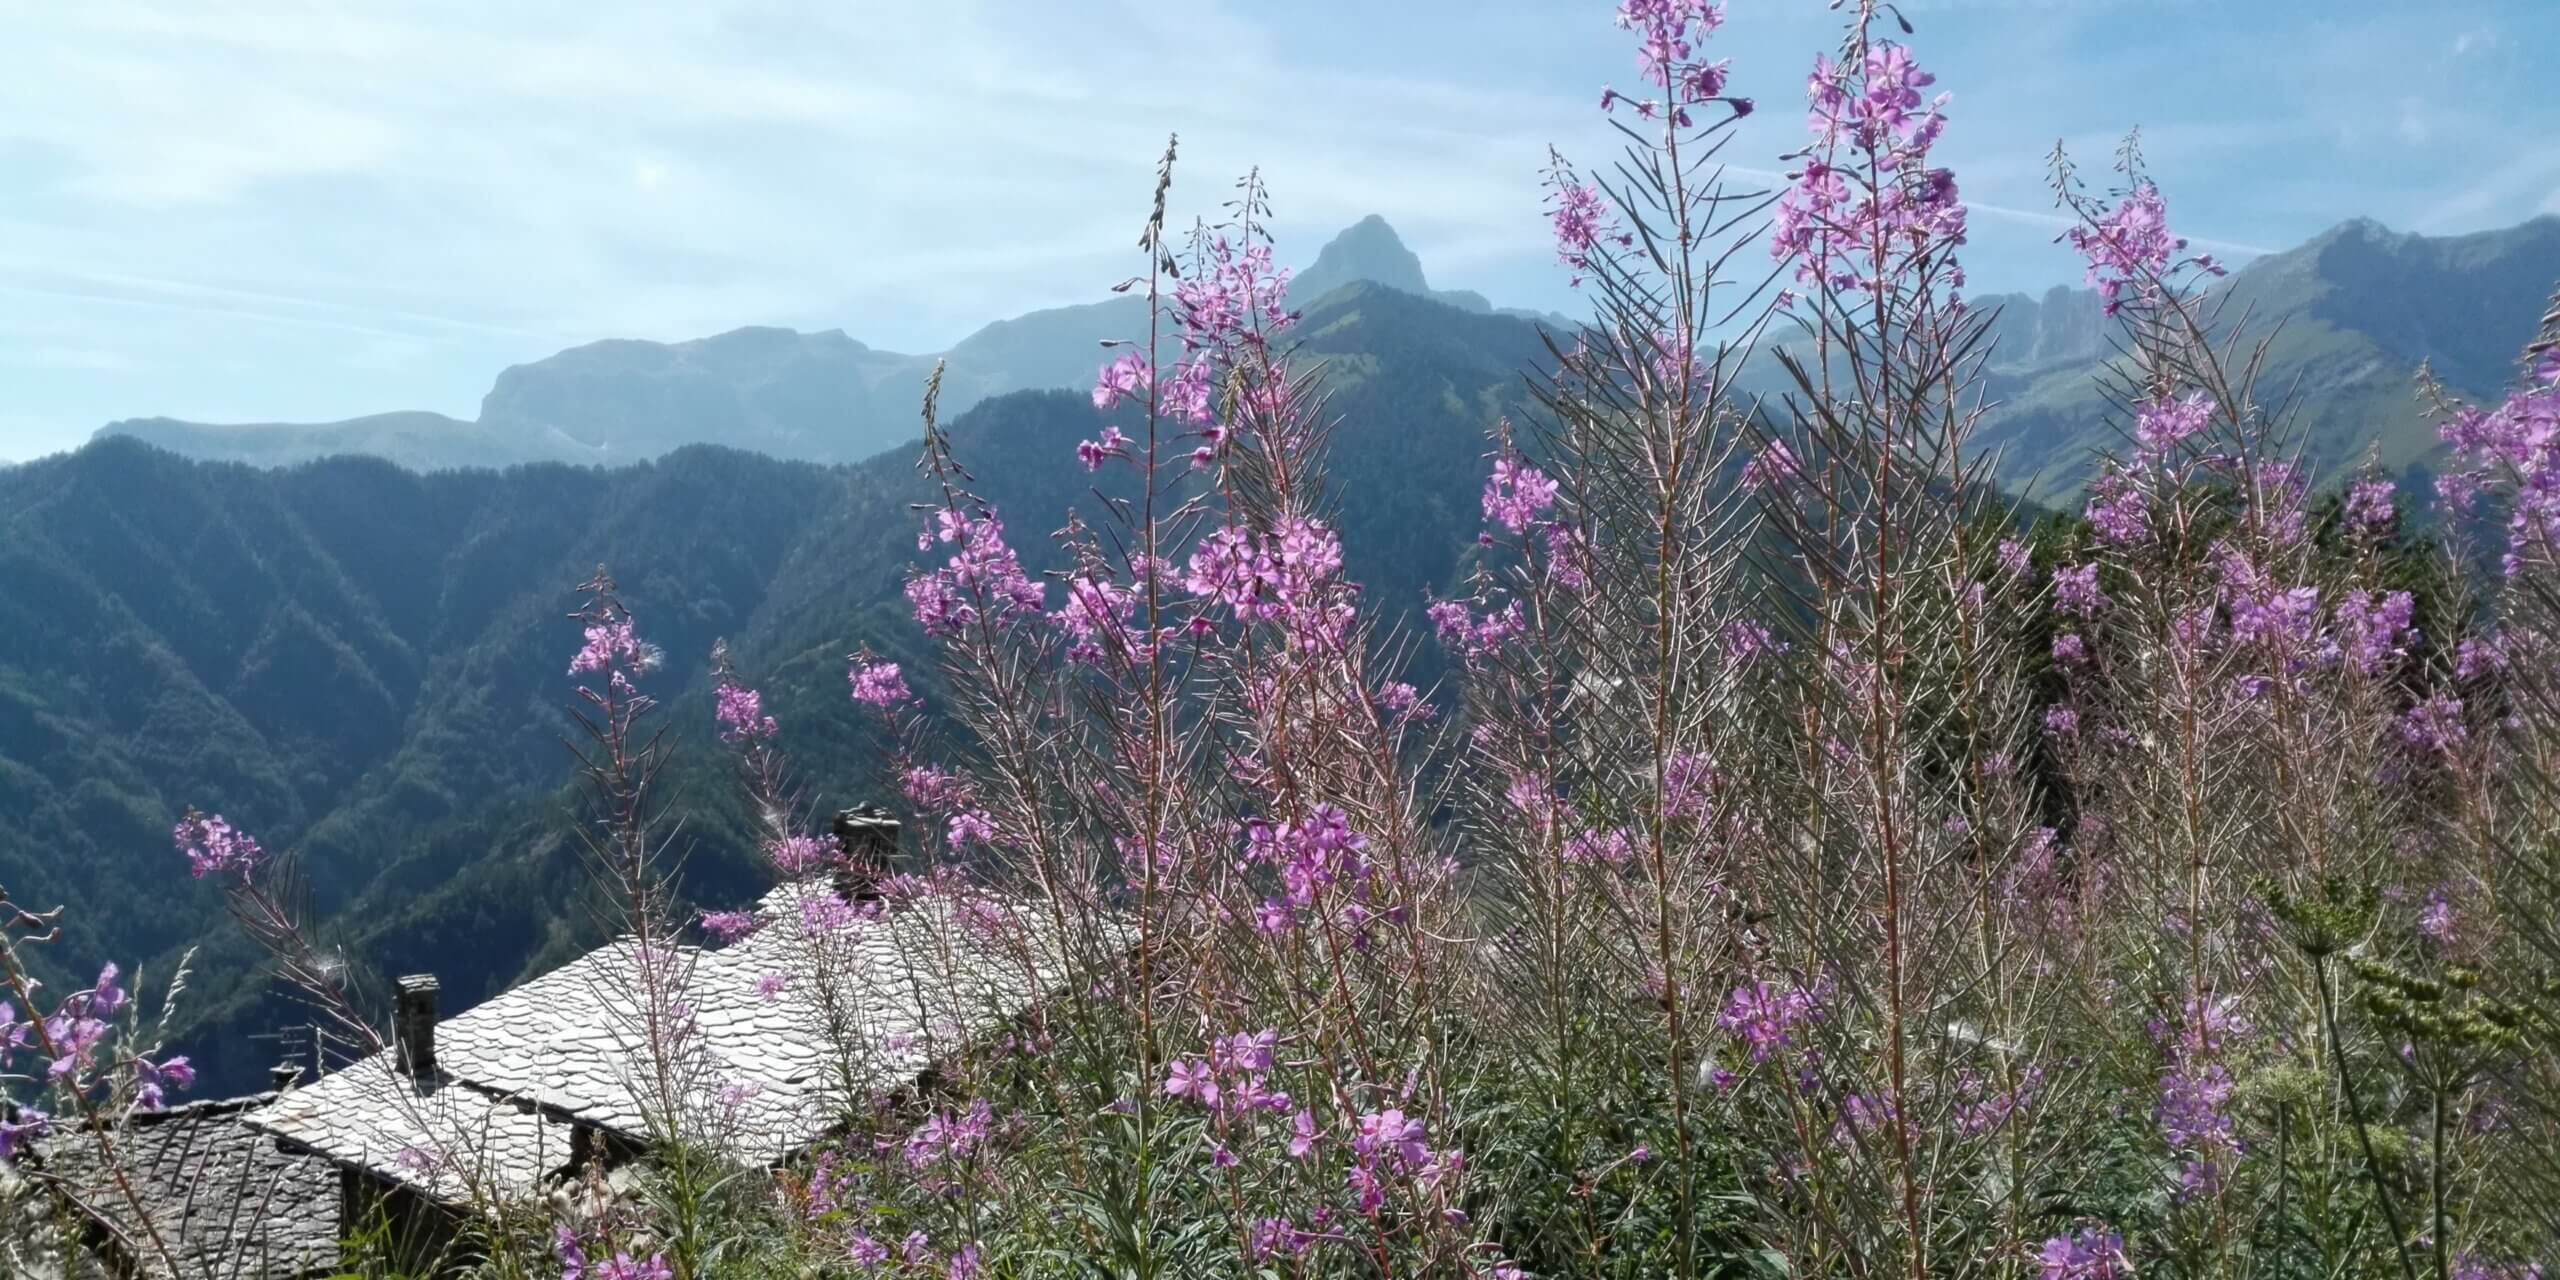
1580 218
155 1080
972 827
1839 212
1608 848
1303 1135
1402 702
727 926
2075 590
1745 640
2161 422
1774 463
1393 1137
1982 1108
623 1267
2475 658
2434 726
211 844
878 684
1517 494
983 578
1192 1079
2470 1266
740 713
612 643
2369 507
2436 920
2090 1253
946 1136
573 1256
1288 578
2285 620
934 789
2131 247
796 856
1093 453
1765 1016
2118 509
2374 630
30 1125
1244 1051
106 997
1687 780
1122 379
2196 1090
1475 638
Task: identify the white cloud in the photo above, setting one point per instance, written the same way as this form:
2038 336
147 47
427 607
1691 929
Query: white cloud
574 167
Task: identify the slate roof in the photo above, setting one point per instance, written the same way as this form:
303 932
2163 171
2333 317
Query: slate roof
758 1069
436 1134
220 1194
907 990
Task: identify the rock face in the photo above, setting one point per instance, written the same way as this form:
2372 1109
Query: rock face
1367 250
2065 326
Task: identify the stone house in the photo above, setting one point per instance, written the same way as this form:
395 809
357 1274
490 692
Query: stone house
539 1097
840 995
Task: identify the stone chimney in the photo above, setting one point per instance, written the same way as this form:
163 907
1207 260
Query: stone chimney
413 1024
283 1076
869 836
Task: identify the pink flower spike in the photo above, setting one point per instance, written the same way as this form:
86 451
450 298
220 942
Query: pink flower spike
878 684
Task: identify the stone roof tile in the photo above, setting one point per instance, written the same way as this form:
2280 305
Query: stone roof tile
219 1194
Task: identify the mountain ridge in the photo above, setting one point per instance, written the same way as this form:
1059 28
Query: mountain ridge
818 395
2353 312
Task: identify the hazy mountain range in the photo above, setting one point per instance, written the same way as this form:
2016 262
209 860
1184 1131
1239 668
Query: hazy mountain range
822 397
2354 313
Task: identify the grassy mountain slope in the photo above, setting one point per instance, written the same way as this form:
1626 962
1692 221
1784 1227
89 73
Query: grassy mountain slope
2350 318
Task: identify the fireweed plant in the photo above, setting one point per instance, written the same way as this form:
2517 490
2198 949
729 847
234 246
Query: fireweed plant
1809 865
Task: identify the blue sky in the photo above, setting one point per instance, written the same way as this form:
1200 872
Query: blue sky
270 210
